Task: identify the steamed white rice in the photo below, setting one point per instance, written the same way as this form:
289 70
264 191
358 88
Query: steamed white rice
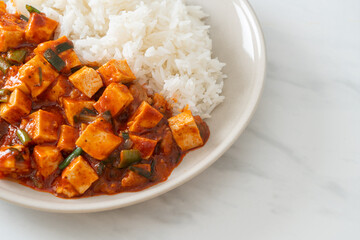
165 42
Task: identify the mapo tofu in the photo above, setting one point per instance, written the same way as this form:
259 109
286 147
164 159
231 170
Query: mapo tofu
78 130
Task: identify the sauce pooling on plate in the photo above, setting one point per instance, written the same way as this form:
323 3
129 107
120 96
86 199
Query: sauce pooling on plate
78 130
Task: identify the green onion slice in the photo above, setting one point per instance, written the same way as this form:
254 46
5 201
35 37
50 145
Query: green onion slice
141 172
107 116
62 47
86 115
88 111
17 56
23 17
40 78
75 69
18 156
128 157
23 136
31 9
54 59
100 168
4 65
125 135
77 152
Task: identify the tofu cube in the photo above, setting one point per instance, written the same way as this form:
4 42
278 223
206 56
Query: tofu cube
64 188
80 174
35 70
42 126
97 140
60 88
145 117
132 179
47 158
68 56
14 159
115 99
12 32
19 106
2 7
14 82
73 107
87 80
116 71
7 161
145 146
185 131
68 137
40 28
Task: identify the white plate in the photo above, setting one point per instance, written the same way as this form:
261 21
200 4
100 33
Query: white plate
238 41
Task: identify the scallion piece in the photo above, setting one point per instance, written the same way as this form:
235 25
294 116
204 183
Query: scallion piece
77 152
86 115
100 168
36 181
88 111
23 136
62 47
4 65
31 9
54 59
141 172
23 17
40 78
75 69
16 56
4 95
107 116
17 154
128 157
84 118
125 135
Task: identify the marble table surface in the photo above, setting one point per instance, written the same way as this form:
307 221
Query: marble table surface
293 174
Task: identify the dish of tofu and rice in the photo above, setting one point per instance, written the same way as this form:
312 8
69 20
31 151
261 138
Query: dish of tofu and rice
75 127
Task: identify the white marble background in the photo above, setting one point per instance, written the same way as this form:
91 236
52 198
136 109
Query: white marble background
293 174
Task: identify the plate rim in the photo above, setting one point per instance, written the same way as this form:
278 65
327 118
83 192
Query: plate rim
220 150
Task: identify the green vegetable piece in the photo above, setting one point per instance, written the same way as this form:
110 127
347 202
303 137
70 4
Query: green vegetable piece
84 118
107 116
100 169
40 78
54 59
86 115
31 9
125 135
23 136
75 69
16 56
23 17
141 172
62 47
128 157
4 65
77 152
87 111
16 152
4 95
36 181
